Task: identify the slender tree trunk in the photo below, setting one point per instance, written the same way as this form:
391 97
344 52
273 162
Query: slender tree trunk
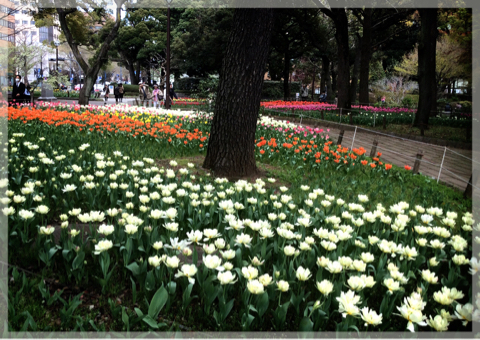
355 72
426 66
313 81
231 146
286 73
149 76
366 42
137 74
334 83
325 73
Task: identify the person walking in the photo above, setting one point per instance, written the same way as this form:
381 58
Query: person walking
143 90
156 96
120 92
304 92
116 94
18 92
106 92
172 93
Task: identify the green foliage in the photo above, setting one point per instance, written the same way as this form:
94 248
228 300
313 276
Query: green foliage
200 39
207 88
187 84
409 102
274 89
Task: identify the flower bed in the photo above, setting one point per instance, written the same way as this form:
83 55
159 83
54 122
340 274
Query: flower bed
337 255
361 115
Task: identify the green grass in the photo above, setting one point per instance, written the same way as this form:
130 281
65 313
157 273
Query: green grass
440 132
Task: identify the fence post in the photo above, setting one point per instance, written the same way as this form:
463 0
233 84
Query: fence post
384 122
441 165
301 117
340 137
374 116
340 115
353 140
416 166
373 152
322 115
351 119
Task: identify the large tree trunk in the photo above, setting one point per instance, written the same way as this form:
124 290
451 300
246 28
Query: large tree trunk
286 73
426 66
366 43
133 76
339 17
231 146
355 72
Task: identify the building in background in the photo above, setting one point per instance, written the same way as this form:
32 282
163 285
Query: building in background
27 32
7 38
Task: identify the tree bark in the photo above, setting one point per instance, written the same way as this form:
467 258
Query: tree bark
334 83
426 66
366 42
355 73
231 146
339 17
326 77
286 73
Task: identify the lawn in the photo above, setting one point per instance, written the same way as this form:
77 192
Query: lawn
120 229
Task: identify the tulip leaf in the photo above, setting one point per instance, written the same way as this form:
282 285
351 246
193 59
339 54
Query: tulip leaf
262 304
78 261
150 321
158 301
134 268
150 281
171 286
306 325
134 291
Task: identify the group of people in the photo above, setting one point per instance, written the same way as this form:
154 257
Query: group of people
304 94
118 92
157 95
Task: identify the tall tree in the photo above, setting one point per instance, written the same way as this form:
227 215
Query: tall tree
90 69
231 147
426 67
77 26
339 17
141 35
199 40
365 47
288 41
